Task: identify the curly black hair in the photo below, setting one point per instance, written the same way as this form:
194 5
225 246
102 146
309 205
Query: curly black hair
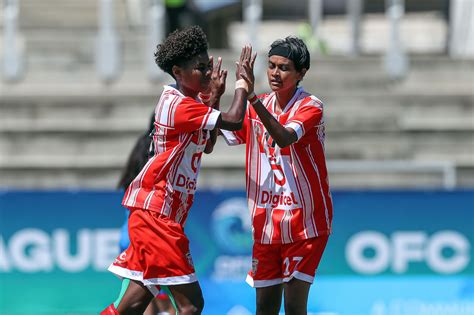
179 47
298 52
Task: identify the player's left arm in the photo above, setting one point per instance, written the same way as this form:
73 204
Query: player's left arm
283 136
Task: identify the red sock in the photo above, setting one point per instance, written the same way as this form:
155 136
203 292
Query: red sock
110 310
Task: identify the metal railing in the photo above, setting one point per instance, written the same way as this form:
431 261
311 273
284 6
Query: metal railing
108 54
462 28
155 34
13 43
446 168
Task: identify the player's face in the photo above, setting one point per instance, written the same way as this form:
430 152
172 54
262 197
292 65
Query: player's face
282 75
195 75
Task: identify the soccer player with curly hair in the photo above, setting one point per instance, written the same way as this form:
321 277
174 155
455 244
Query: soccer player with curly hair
187 118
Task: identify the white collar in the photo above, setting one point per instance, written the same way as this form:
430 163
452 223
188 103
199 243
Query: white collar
291 102
173 88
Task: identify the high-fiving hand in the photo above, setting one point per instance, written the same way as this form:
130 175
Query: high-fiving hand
244 67
218 78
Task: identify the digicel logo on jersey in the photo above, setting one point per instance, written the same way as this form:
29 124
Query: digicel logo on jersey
186 182
278 199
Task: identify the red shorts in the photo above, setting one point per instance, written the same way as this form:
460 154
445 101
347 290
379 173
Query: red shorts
158 253
277 263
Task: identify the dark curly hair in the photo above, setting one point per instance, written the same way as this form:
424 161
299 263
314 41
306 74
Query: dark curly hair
179 47
298 52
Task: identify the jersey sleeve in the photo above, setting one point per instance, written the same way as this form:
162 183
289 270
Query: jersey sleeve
239 136
191 115
309 115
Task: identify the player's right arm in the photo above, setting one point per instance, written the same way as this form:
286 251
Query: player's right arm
233 119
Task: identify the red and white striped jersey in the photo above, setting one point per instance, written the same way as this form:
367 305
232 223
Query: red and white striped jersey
287 188
167 183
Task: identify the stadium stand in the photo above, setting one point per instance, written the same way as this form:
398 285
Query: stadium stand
61 127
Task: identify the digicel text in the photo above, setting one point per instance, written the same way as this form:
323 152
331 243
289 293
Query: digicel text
186 182
278 200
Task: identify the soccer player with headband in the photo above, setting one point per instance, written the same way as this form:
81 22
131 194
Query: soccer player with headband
287 182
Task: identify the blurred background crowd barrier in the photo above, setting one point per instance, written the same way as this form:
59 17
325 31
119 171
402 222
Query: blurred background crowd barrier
78 83
392 253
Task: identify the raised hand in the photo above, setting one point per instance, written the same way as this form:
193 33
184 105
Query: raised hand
245 56
234 117
245 67
218 78
248 75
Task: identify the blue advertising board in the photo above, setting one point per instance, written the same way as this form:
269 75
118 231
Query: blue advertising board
391 253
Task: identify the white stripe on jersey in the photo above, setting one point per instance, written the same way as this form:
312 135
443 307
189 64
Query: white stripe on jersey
289 227
163 115
160 139
167 201
172 110
298 188
317 100
185 140
269 102
171 158
285 227
254 173
158 110
266 235
148 199
137 182
204 121
320 186
163 109
268 227
171 178
306 196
